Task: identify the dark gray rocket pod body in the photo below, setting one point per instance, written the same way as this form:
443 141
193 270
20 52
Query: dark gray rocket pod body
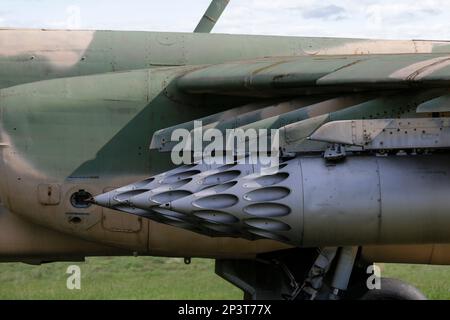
309 202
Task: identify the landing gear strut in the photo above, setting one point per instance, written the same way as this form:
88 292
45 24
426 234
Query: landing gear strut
311 274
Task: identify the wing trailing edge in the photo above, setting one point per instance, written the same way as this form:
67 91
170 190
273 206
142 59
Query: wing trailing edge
280 76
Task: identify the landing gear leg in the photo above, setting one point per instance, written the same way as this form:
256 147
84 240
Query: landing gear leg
314 281
259 280
300 274
343 272
275 276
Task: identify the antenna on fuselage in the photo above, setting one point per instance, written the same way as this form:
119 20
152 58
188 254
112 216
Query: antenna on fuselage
211 16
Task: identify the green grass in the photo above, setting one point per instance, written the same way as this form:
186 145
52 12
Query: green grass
117 278
433 281
160 278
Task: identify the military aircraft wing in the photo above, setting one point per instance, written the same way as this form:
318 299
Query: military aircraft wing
329 108
319 74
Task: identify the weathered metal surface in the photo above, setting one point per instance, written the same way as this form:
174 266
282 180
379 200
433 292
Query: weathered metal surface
317 109
258 118
161 139
294 137
174 191
275 110
344 269
163 182
278 115
24 241
434 254
315 279
437 105
29 108
211 16
101 126
308 203
33 55
278 76
146 203
91 133
424 133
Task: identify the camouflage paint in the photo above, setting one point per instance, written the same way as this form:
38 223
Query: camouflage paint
92 132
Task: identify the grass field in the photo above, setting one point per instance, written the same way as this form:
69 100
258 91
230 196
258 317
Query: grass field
160 278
